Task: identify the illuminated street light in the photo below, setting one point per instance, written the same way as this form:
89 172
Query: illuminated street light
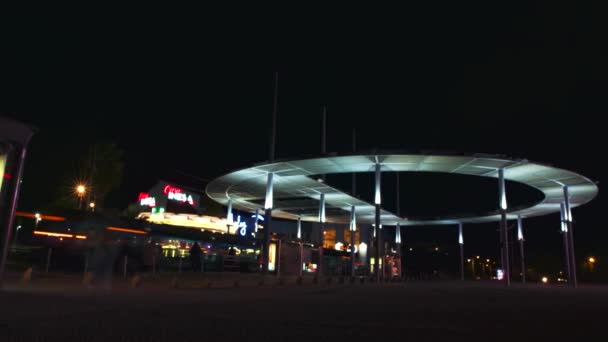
468 260
477 257
80 190
92 206
545 280
487 260
591 260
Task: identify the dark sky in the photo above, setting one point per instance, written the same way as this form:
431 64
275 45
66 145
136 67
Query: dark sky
190 91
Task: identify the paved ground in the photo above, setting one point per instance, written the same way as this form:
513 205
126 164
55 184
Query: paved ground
426 311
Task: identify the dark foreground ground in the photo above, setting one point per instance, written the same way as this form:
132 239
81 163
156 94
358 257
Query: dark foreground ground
415 311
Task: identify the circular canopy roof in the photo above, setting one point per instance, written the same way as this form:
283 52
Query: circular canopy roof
297 192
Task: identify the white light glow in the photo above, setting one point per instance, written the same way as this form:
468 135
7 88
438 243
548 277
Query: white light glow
338 246
229 218
268 203
502 189
322 208
299 228
362 247
378 197
353 219
398 233
460 237
520 232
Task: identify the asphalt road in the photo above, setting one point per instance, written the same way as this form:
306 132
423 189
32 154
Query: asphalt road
425 311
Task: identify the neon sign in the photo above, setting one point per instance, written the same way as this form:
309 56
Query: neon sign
146 199
241 226
176 194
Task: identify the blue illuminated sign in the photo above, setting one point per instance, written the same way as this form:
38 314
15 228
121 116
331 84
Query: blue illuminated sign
241 226
260 217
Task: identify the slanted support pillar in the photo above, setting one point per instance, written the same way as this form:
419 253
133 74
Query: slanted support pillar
300 249
322 228
398 243
377 202
570 232
353 231
268 226
564 232
461 243
503 227
520 238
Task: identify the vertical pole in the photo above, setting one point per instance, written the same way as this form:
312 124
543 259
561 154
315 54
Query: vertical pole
322 228
353 231
154 265
354 180
86 261
48 259
570 232
324 132
268 226
520 237
503 226
378 201
278 258
564 232
461 243
10 222
301 259
273 134
398 229
124 268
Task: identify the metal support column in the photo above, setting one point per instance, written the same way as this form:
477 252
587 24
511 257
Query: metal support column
300 247
461 243
564 232
568 212
398 228
520 238
503 226
377 202
268 224
353 231
322 229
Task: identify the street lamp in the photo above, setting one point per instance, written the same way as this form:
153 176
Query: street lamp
80 190
92 206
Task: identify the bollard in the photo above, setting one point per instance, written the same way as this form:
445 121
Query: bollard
48 259
174 283
87 279
27 276
86 262
135 281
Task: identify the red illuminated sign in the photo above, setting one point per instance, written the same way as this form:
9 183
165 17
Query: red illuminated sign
145 199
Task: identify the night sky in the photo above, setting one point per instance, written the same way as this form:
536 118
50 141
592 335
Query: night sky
188 96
